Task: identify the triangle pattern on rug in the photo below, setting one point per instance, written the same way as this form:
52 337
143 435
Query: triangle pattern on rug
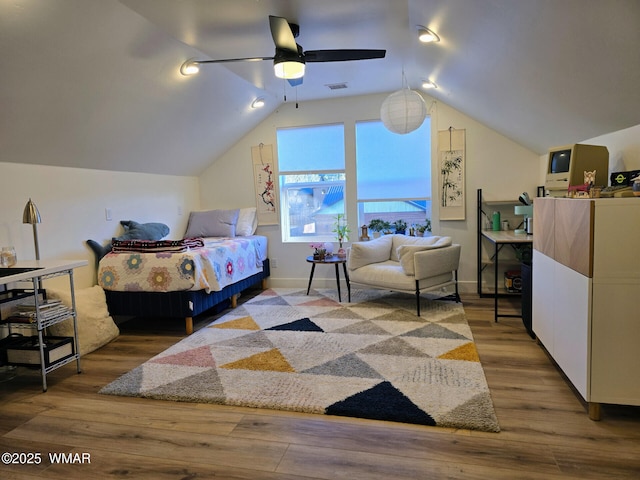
243 323
394 346
197 357
321 302
465 352
347 366
366 327
370 358
341 312
435 331
272 360
207 381
382 402
302 325
271 301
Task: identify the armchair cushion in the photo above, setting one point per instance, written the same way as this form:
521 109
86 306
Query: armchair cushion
406 253
374 251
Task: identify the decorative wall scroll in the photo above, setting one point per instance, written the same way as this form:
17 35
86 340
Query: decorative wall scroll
451 159
264 175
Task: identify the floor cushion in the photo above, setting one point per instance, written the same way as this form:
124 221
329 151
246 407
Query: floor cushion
95 326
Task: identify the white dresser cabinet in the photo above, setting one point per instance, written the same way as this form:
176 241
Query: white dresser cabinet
586 294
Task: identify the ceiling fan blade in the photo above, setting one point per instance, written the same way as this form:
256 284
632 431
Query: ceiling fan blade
246 59
282 34
342 55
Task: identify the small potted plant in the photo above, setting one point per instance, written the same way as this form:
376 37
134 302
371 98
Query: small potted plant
423 227
377 225
400 226
341 229
319 251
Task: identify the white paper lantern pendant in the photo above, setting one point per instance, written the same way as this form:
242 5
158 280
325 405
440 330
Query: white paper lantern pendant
403 111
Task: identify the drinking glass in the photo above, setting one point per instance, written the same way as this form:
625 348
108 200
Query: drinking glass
8 257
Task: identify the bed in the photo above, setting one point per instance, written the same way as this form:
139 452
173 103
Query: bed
184 278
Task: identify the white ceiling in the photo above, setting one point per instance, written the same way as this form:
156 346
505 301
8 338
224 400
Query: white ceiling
96 83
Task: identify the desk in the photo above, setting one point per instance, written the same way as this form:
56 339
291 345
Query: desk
500 239
35 272
331 260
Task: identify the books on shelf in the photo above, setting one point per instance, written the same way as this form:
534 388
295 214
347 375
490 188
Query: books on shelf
49 309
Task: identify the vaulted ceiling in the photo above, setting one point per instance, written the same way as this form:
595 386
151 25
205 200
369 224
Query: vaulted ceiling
96 83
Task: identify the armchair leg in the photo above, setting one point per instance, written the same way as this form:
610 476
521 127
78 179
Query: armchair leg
418 297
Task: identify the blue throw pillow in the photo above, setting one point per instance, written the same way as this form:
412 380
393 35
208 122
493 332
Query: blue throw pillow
143 231
132 231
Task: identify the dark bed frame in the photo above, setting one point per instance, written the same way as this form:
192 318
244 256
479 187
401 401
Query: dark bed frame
184 304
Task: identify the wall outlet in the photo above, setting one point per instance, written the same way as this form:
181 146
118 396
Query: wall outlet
107 214
274 263
179 210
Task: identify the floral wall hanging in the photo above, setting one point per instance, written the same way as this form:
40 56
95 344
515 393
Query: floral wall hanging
264 175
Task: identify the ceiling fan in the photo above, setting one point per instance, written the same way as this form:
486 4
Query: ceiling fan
290 59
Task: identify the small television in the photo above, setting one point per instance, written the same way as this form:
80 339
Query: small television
566 166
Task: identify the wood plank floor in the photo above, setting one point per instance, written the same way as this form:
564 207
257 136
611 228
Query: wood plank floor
546 432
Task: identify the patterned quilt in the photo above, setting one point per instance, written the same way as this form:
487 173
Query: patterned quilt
221 262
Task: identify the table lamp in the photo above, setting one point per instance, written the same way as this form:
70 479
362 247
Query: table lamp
32 215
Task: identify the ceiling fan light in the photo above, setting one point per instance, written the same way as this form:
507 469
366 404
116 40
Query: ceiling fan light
288 69
426 35
190 67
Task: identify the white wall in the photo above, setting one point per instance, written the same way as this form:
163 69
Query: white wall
72 205
502 168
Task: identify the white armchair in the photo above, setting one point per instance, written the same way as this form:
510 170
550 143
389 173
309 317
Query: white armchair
405 264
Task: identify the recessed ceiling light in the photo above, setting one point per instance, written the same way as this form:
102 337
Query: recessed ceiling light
190 67
426 35
258 103
427 84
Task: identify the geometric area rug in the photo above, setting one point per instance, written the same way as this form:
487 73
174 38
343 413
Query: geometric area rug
371 358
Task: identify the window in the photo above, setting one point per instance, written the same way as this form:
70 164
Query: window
311 163
393 173
393 177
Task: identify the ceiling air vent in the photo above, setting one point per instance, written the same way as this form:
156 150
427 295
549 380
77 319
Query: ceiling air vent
336 86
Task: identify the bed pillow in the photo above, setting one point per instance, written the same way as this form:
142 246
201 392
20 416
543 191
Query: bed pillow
247 222
212 223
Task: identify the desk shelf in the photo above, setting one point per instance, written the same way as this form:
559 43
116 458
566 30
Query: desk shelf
498 251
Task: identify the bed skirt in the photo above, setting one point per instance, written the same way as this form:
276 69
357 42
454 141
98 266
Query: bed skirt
183 304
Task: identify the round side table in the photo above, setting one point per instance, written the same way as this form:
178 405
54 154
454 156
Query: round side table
331 260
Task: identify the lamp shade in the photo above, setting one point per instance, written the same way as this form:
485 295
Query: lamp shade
31 214
403 111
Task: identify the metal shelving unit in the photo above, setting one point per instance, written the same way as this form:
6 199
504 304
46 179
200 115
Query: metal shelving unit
487 261
44 319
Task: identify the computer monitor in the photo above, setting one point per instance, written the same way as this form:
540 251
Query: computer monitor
567 165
